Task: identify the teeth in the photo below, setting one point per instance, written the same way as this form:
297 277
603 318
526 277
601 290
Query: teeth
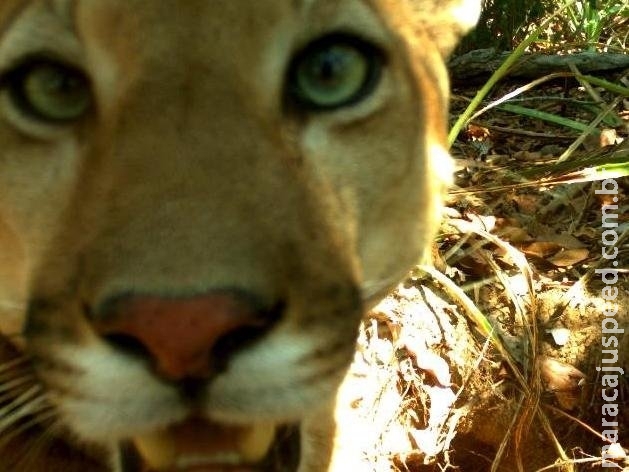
257 442
157 449
175 450
191 461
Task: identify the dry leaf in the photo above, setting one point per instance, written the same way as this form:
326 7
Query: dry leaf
514 235
428 361
565 240
569 257
563 380
475 264
527 204
560 335
441 401
608 137
483 222
541 249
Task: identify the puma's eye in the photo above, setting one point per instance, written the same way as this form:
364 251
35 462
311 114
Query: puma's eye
334 72
50 91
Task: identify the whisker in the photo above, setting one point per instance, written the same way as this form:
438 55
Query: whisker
12 305
30 402
35 451
15 384
50 434
22 408
47 413
26 396
17 363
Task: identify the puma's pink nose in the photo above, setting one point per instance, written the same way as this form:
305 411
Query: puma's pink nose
184 337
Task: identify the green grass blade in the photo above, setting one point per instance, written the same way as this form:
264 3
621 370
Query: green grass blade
542 115
500 73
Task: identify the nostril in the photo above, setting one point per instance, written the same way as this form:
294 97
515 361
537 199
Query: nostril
184 338
127 344
238 339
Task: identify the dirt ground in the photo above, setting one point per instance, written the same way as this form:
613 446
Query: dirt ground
499 362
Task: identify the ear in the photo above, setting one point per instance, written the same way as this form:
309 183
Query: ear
447 20
465 13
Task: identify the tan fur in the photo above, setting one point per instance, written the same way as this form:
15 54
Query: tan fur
190 175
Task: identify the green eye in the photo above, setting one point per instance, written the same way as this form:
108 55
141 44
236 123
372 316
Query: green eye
334 72
50 91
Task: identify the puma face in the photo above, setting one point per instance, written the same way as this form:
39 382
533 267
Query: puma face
198 202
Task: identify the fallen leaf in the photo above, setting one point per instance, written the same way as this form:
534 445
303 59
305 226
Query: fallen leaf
569 257
527 204
560 335
513 234
565 240
428 361
563 380
541 249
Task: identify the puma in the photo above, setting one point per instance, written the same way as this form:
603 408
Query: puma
198 202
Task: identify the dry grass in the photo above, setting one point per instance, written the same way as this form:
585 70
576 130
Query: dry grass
466 367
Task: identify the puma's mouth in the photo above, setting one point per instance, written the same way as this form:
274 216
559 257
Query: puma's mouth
197 445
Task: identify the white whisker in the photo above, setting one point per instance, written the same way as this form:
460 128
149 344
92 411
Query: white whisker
47 413
13 364
30 402
15 384
12 306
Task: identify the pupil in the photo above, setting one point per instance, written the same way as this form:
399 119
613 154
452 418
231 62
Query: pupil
61 84
330 66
